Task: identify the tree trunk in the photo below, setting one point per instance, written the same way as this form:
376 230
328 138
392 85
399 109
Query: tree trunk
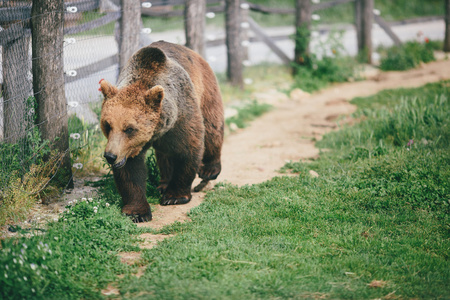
48 79
303 31
194 25
234 48
17 86
363 24
447 26
130 27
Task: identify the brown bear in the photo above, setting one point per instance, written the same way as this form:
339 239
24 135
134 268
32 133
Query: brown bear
167 98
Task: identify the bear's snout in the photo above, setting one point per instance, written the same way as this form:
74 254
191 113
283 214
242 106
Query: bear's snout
110 158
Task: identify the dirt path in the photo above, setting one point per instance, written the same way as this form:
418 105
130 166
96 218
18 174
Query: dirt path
288 132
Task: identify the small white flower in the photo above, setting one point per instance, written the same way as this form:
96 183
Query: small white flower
73 213
95 211
95 207
65 219
25 278
33 266
83 199
33 290
15 260
25 246
70 202
90 199
6 267
107 204
43 257
56 272
75 201
6 275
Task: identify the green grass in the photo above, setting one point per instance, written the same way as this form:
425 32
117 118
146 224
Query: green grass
407 56
378 212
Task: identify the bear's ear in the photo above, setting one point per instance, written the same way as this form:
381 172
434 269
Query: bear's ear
150 58
107 89
154 96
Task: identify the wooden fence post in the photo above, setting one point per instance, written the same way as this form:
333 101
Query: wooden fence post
16 85
363 24
48 79
194 25
302 35
245 43
234 47
130 27
447 26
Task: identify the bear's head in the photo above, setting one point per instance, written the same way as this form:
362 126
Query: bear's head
129 118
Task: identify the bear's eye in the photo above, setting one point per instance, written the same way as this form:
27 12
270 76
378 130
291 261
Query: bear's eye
106 127
129 130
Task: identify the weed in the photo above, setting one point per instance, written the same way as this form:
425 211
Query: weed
326 64
247 113
407 56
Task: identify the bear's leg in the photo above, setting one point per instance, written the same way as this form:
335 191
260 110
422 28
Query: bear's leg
211 165
165 167
179 188
131 183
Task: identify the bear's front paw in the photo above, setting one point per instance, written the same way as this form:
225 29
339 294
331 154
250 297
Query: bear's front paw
174 200
136 215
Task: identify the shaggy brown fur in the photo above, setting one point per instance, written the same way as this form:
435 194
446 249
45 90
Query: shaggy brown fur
168 98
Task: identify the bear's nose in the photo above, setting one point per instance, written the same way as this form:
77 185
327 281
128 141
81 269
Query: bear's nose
110 158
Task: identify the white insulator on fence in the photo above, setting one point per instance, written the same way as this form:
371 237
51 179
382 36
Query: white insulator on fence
71 73
248 81
245 25
315 17
70 41
146 30
315 1
212 58
72 104
72 9
75 136
146 4
245 43
376 12
211 37
77 166
210 15
245 6
247 63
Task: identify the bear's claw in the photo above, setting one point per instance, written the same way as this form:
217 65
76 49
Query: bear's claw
174 201
141 218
